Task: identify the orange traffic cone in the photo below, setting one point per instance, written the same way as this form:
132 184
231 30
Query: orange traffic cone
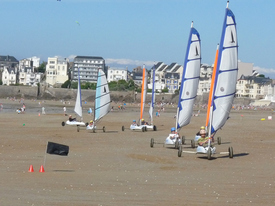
41 169
31 169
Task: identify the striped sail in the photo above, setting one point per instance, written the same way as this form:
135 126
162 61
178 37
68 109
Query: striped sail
152 105
143 92
102 97
78 102
226 74
190 79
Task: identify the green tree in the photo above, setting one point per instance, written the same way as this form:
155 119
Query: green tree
42 67
66 84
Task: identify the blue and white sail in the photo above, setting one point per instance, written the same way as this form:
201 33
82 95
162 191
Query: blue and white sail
190 79
152 105
226 74
78 102
102 97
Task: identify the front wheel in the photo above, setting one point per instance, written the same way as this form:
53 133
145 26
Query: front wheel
155 128
63 124
180 151
103 129
122 128
209 153
77 128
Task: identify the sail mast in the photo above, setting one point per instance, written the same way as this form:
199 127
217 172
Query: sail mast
143 93
210 98
152 105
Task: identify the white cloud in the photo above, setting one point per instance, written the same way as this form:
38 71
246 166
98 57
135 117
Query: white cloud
268 72
129 62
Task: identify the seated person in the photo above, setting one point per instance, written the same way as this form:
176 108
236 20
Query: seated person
91 123
134 123
203 139
71 119
174 135
143 122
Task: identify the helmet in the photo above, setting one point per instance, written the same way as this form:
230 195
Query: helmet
173 129
134 120
202 127
91 121
142 119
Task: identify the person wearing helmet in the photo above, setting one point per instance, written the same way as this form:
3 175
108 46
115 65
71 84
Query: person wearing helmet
173 135
91 123
134 123
143 122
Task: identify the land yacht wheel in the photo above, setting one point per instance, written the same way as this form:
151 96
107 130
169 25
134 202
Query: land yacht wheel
152 142
183 140
122 128
230 150
193 143
180 151
63 124
209 153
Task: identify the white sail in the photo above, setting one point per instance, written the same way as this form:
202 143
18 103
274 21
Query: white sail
190 79
102 98
226 74
78 103
143 92
152 105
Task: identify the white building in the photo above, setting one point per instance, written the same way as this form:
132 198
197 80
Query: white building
8 76
57 70
35 60
115 74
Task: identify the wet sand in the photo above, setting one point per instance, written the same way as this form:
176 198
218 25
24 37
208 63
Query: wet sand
120 168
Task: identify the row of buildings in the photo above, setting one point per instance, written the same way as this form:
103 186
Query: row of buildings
167 76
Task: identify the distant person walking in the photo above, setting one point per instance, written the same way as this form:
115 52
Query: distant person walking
64 109
43 110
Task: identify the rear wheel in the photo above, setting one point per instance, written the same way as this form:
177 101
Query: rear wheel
219 140
155 128
86 124
143 129
209 153
230 150
193 143
122 128
180 151
77 128
63 124
152 142
183 139
103 129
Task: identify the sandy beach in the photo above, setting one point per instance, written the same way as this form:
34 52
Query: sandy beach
120 168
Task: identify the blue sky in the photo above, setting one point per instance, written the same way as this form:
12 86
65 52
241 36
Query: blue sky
135 32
